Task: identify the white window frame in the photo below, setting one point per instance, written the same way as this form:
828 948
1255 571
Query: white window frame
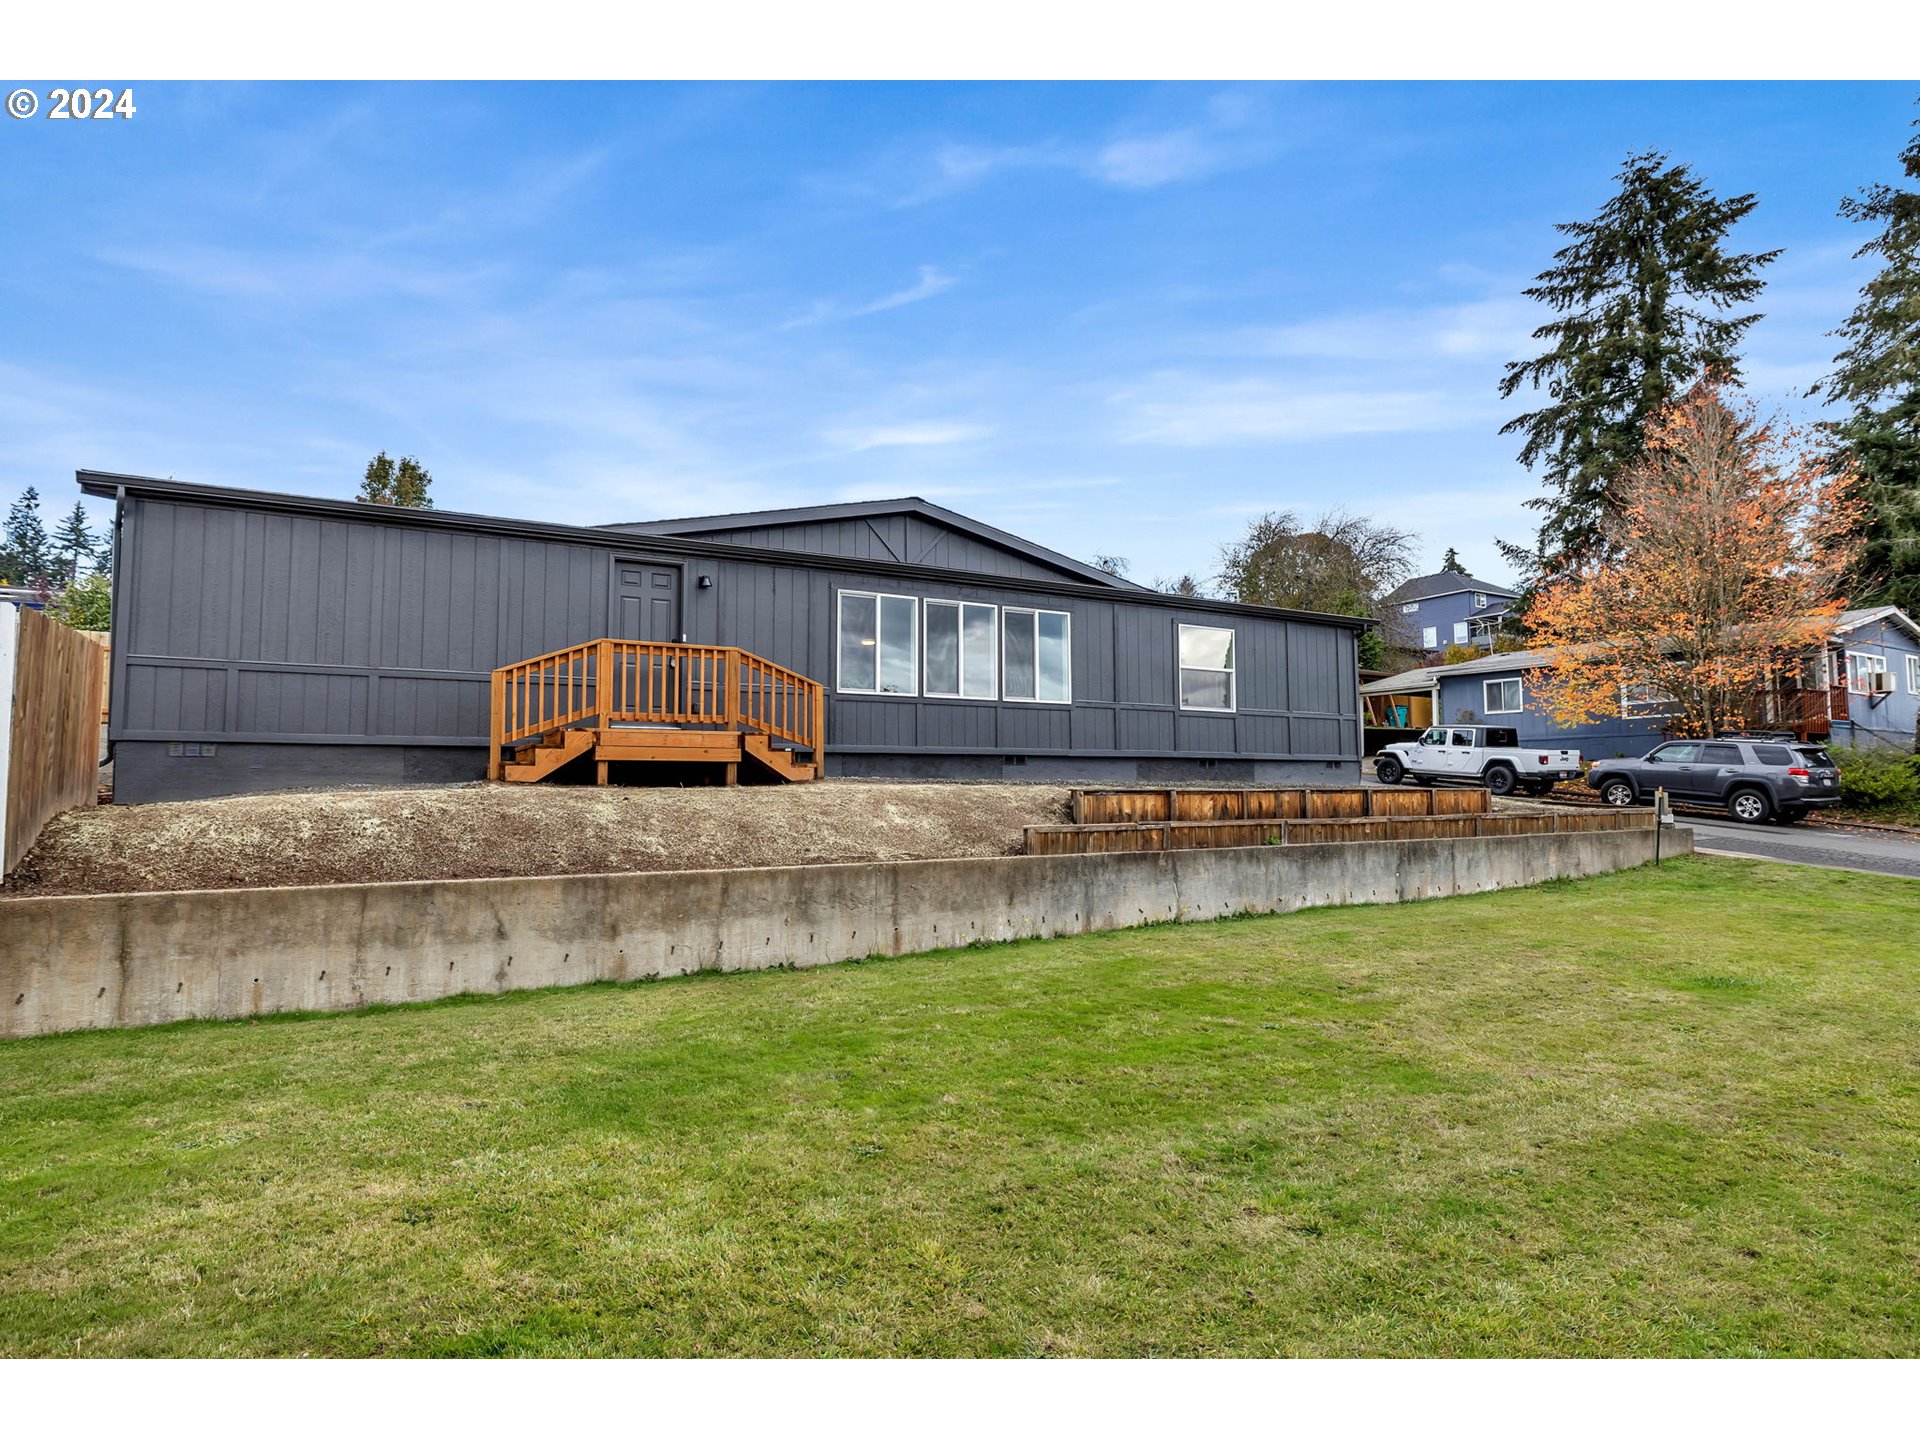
1412 607
1486 696
960 652
1462 632
1631 709
1479 600
1430 637
1875 665
1232 672
1035 612
1913 674
839 619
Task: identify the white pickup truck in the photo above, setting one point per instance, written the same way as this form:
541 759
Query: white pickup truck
1489 755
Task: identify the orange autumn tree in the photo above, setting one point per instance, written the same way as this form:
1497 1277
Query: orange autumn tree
1725 558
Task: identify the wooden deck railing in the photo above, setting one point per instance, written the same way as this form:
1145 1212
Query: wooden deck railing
653 682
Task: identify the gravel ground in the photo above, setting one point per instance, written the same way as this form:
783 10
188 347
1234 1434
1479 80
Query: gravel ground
471 831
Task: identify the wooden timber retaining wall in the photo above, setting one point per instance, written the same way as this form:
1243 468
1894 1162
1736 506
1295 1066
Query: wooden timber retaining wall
1215 834
50 732
1355 802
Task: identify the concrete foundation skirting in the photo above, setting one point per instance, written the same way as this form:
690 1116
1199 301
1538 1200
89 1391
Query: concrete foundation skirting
95 962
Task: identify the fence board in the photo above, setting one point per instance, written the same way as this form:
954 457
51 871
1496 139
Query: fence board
53 750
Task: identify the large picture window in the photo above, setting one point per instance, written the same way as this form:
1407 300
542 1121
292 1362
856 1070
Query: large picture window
960 646
879 644
1861 668
1038 656
1502 697
1206 668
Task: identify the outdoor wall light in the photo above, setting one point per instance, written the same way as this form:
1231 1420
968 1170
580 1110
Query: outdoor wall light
706 582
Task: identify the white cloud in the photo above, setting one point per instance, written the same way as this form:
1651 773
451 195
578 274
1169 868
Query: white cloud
1480 329
933 281
923 432
1183 410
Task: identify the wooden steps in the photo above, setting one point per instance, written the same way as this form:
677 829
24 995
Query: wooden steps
608 745
653 702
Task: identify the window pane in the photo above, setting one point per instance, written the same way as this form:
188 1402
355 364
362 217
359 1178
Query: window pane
897 649
1720 755
1773 755
1206 689
978 642
1056 664
1204 648
1019 655
943 649
857 642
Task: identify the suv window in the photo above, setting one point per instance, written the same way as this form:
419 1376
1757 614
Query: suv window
1684 754
1773 755
1815 756
1721 755
1434 737
1463 737
1503 739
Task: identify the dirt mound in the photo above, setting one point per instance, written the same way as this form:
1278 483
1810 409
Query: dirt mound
473 831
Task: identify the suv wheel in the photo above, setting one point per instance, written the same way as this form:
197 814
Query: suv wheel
1618 793
1388 770
1750 807
1502 779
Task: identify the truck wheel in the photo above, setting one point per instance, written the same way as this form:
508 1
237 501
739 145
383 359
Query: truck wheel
1618 793
1502 779
1750 807
1388 770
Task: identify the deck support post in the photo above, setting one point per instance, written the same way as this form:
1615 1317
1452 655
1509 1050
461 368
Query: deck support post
496 723
600 772
733 772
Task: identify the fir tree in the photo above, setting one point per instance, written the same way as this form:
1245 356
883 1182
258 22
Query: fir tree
403 483
1642 293
1451 564
73 544
29 556
1878 375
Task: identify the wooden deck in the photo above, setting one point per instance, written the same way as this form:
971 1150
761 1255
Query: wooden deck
651 702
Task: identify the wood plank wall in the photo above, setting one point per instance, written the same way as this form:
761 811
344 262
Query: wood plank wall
1099 839
1114 807
53 763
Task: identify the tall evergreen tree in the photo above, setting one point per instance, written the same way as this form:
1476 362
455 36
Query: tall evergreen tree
72 547
29 554
389 482
1451 564
1878 375
1643 292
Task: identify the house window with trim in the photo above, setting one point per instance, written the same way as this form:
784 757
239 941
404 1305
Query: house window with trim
1461 631
879 644
1502 697
1206 668
1913 674
1479 601
1430 637
1412 607
1643 700
960 646
1861 668
1037 656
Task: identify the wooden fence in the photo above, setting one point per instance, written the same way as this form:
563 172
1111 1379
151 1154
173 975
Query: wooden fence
1114 807
1102 839
53 679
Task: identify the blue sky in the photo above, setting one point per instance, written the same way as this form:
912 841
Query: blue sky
1114 318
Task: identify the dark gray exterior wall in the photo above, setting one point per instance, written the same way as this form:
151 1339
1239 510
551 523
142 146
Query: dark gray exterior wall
319 648
898 539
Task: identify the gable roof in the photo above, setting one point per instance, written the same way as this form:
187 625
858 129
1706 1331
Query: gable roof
872 509
1853 619
1446 582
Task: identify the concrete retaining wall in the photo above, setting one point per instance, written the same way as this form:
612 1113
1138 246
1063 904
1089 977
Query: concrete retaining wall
92 962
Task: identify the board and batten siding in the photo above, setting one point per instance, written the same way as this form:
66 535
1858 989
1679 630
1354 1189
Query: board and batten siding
281 627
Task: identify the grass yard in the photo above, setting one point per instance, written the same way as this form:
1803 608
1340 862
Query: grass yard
1658 1113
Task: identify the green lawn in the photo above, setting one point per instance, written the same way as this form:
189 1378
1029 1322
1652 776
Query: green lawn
1659 1113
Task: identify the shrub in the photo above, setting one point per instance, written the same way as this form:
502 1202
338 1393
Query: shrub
1873 779
1458 654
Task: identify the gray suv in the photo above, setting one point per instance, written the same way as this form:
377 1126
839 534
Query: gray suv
1753 780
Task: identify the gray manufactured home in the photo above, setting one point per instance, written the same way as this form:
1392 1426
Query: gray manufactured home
265 641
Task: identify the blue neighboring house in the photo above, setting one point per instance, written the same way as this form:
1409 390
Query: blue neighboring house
1841 698
1431 612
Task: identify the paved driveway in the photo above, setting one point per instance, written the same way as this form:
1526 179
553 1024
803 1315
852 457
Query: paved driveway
1808 845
